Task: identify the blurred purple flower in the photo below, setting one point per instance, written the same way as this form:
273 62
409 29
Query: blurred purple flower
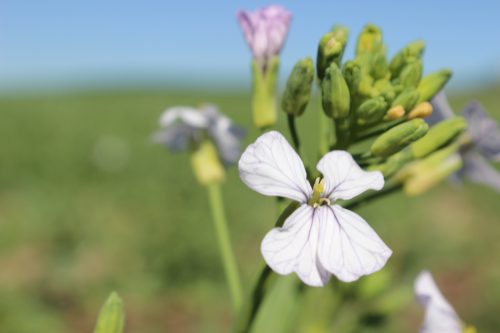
182 126
484 141
265 31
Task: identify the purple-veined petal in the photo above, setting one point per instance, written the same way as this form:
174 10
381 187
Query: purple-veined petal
293 248
439 314
483 131
344 179
265 30
477 169
226 135
187 115
441 109
247 22
348 247
271 167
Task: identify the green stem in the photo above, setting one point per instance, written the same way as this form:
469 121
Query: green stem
324 134
266 279
225 248
293 132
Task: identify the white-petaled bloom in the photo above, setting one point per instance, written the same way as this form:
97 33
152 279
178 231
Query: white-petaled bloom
439 314
181 126
320 238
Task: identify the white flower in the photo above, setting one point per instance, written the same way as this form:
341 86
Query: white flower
320 238
439 314
182 126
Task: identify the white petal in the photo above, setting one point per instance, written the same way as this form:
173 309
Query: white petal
293 248
348 247
189 116
271 167
439 314
344 179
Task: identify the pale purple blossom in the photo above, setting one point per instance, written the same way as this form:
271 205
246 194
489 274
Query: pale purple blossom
440 317
265 31
484 141
319 238
183 126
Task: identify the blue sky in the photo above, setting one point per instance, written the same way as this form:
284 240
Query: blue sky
61 43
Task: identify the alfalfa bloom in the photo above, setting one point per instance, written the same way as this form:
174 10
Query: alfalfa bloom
483 141
212 137
320 238
265 31
440 317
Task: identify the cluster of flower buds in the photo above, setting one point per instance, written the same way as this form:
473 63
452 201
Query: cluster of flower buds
380 102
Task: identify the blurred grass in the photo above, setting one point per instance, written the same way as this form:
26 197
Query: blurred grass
89 205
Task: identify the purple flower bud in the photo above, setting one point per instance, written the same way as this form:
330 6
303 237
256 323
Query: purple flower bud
265 31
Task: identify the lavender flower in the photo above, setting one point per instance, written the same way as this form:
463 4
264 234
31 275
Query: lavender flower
265 31
484 142
182 126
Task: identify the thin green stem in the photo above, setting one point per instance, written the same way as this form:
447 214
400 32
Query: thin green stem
266 279
293 132
225 248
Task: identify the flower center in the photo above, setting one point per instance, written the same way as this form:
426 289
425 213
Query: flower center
316 199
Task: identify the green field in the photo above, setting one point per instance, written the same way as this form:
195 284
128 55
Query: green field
89 205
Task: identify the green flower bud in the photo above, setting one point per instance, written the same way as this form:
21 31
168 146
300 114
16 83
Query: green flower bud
335 93
330 49
298 88
366 86
386 90
439 135
411 74
206 164
407 99
399 137
371 110
395 163
426 173
352 75
369 40
410 52
379 68
433 83
111 316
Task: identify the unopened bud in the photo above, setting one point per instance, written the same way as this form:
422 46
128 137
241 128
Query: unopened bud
298 88
352 75
330 49
111 317
438 136
395 112
407 99
411 74
371 111
410 52
422 110
369 40
431 171
206 164
399 137
335 93
432 84
378 65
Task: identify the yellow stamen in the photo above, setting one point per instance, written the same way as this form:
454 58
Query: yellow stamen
318 188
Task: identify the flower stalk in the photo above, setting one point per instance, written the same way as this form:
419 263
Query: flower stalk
225 248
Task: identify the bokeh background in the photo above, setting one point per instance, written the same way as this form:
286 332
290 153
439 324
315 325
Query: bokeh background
88 204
